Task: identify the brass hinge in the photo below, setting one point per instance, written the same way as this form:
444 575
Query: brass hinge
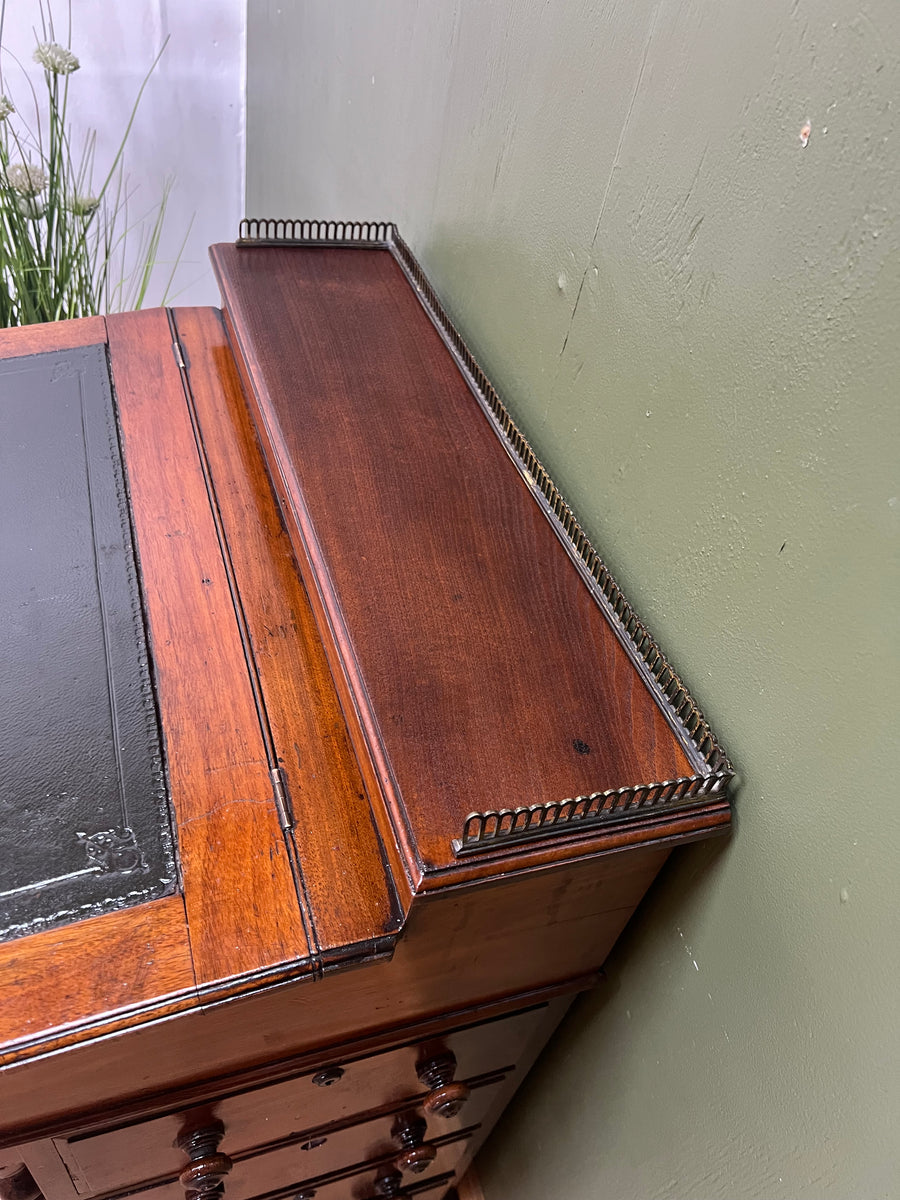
282 798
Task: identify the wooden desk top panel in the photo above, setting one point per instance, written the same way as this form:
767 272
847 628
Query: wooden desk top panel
240 894
333 833
482 669
238 922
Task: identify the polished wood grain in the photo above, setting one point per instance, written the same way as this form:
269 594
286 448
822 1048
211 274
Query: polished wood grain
108 971
52 335
155 1149
375 776
241 901
504 1093
126 968
481 670
344 579
333 821
470 948
365 1151
467 1184
92 974
182 1097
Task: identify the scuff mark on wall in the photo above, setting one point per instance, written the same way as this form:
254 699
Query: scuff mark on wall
609 180
674 226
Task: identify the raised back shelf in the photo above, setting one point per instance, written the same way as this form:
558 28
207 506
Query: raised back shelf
504 697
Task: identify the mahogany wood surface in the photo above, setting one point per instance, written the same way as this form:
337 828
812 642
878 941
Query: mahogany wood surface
369 1184
184 1097
109 969
49 1170
52 335
506 1090
483 672
125 968
240 896
349 594
78 975
178 552
310 741
469 948
364 1148
373 770
300 1108
133 1156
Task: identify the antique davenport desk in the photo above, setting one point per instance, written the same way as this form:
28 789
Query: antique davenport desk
334 759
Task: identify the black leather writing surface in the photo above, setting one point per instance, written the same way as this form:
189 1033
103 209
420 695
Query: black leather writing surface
84 820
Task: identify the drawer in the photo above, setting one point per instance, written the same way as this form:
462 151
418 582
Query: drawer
285 1172
365 1186
339 1091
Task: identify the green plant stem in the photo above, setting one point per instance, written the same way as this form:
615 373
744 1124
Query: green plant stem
62 255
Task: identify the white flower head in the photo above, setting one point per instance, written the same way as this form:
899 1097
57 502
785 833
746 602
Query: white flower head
25 179
53 57
32 207
6 108
83 206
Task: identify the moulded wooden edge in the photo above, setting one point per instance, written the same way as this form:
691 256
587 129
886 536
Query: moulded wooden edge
107 1022
67 983
679 827
685 718
386 806
159 1103
473 950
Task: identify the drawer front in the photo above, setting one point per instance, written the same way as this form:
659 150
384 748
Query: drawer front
365 1186
340 1091
285 1172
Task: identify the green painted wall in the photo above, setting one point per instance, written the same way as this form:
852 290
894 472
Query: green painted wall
695 320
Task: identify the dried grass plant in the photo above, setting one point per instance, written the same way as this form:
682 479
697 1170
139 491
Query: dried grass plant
69 247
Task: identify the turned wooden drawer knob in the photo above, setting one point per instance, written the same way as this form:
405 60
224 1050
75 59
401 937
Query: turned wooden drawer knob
409 1133
202 1177
390 1185
445 1097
